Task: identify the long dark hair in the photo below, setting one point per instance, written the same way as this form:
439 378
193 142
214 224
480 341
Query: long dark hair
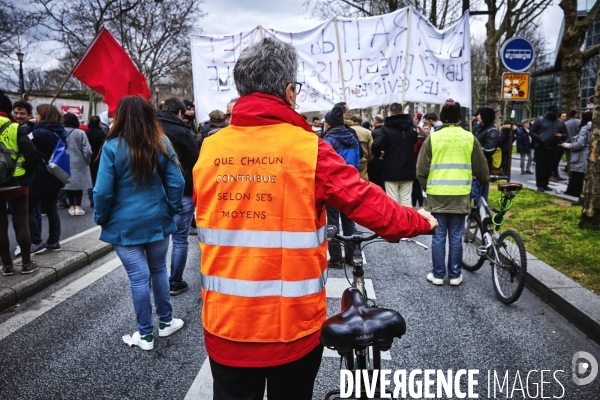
136 123
585 118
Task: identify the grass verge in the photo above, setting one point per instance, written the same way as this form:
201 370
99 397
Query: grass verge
548 226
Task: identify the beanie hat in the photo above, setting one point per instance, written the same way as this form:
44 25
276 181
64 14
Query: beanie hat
5 103
487 115
188 104
335 117
450 112
419 116
217 119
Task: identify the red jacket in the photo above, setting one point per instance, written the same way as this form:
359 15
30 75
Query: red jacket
336 184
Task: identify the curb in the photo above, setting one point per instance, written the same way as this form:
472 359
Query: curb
77 252
578 305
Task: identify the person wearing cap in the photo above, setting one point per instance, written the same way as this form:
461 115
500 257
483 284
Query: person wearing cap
489 139
448 159
417 119
262 184
524 146
548 132
218 121
189 117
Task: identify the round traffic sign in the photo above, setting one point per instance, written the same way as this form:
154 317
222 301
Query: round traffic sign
25 97
591 100
517 54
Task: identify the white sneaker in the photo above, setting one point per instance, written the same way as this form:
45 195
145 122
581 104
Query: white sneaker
144 343
166 329
71 211
434 280
456 281
79 211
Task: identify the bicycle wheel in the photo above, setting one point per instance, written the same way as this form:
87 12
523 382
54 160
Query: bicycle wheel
509 275
472 239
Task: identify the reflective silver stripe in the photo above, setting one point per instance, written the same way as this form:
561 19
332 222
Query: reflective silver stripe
262 239
11 151
244 288
450 166
448 182
19 164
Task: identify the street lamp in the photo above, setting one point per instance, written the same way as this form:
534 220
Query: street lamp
21 81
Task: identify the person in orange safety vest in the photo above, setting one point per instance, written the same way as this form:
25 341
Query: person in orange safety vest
261 187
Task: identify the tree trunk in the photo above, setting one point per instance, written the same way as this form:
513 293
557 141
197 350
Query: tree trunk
571 65
590 215
494 84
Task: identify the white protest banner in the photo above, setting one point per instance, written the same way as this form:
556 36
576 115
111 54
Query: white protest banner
371 52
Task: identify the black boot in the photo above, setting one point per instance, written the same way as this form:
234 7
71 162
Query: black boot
579 202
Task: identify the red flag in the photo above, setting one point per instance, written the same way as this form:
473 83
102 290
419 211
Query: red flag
107 68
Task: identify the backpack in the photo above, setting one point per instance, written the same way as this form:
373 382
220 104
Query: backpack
7 164
59 164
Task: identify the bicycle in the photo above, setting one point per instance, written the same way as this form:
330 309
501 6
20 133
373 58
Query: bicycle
362 328
505 252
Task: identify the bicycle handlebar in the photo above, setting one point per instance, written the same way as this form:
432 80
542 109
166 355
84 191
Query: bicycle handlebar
494 178
357 237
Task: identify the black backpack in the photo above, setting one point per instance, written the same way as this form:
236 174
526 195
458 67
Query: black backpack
7 164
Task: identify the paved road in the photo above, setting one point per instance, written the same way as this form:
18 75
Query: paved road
65 342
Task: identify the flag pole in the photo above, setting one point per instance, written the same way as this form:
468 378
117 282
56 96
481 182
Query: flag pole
76 65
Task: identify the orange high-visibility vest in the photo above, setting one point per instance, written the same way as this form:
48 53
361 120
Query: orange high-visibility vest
263 242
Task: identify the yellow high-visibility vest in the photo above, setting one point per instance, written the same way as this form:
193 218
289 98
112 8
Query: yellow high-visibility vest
9 139
450 173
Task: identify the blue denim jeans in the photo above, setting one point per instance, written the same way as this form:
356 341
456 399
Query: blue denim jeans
180 240
142 263
451 225
477 191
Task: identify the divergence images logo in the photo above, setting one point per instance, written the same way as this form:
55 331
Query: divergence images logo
582 367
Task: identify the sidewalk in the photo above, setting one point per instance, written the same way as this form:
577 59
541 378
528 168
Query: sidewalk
77 252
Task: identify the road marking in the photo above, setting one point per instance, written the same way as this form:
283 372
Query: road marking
70 239
201 388
18 321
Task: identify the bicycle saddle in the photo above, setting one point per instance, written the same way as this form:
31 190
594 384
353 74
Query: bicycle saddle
509 186
361 325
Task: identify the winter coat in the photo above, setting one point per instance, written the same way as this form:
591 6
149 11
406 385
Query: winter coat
572 126
184 144
366 142
580 149
489 138
45 138
377 163
130 212
398 138
80 156
523 141
420 139
543 130
27 150
345 144
96 137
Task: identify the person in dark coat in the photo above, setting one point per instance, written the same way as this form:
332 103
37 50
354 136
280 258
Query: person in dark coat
375 167
548 132
398 138
489 138
524 146
507 136
43 186
96 137
186 148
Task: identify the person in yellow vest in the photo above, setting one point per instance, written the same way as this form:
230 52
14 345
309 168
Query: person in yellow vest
449 158
261 187
13 188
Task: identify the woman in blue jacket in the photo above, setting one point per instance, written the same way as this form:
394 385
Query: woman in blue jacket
138 191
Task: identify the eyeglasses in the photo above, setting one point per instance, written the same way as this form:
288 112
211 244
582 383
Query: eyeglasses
297 87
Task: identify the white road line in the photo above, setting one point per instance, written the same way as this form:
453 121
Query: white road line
201 388
70 239
18 321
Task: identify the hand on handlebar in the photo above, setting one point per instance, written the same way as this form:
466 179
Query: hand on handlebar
430 218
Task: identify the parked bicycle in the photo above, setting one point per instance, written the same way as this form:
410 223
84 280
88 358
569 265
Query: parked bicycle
506 252
362 330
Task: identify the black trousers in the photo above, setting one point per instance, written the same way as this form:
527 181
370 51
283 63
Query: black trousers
292 381
543 166
48 201
559 153
417 194
335 248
